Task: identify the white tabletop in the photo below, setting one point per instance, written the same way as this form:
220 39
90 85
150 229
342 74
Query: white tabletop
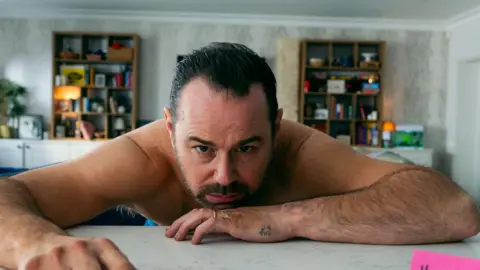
148 248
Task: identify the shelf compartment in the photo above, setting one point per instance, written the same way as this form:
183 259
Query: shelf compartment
343 54
341 107
318 54
368 133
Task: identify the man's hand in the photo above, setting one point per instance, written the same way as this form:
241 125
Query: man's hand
65 252
255 224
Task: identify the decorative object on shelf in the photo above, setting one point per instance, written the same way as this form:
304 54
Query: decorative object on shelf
100 80
120 52
369 60
320 112
69 54
372 116
30 127
75 74
119 126
121 109
97 55
336 86
369 57
306 86
87 129
388 128
316 62
11 106
60 80
60 131
408 136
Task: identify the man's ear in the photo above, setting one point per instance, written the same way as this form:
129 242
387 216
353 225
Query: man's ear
278 120
167 114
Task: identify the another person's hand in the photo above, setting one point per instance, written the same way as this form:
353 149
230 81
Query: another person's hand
255 224
65 252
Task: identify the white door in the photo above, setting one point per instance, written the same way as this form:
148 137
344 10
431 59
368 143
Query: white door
43 153
11 153
78 149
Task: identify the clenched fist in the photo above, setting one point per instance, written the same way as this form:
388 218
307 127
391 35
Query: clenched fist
65 252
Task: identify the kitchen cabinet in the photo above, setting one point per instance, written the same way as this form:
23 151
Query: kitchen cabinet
33 154
11 154
41 153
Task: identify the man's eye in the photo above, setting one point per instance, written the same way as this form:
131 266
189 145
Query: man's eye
244 149
202 149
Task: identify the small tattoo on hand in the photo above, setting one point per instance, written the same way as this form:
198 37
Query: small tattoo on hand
265 231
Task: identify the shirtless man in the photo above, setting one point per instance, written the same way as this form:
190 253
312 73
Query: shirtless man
223 160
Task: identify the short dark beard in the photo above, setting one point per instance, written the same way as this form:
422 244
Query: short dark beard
234 187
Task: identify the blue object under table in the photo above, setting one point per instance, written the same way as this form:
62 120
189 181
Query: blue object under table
5 171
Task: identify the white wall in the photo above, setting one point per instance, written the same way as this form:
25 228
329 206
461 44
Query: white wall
463 102
414 86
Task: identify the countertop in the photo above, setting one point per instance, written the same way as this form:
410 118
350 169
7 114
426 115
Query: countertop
148 248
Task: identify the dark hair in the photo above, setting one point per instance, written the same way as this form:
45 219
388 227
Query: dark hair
229 67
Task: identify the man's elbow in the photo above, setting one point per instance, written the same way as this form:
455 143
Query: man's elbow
466 220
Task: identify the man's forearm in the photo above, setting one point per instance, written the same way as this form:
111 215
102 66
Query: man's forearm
406 207
21 222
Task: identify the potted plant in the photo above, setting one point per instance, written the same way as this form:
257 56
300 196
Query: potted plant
10 104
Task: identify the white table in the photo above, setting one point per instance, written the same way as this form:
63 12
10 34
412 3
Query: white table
148 248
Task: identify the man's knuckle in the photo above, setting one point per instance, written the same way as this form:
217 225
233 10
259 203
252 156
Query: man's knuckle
105 242
34 263
56 254
79 245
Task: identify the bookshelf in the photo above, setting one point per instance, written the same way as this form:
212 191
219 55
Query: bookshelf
341 91
95 85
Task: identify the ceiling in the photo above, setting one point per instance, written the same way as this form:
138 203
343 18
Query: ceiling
435 10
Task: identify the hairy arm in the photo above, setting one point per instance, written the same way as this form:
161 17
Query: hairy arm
42 202
21 221
361 200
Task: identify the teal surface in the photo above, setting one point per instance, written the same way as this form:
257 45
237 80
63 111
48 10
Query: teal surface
150 223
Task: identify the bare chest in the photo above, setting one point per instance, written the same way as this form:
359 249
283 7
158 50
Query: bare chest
168 205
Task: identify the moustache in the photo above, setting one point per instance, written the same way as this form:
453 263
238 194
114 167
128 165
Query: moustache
235 187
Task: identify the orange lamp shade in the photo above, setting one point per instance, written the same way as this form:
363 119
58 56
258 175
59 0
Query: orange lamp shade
388 126
67 92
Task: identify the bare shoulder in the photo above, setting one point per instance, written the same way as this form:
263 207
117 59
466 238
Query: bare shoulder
126 170
153 139
310 164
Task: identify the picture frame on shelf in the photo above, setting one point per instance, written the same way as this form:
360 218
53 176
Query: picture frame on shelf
100 80
30 127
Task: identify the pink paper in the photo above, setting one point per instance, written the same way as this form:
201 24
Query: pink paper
428 260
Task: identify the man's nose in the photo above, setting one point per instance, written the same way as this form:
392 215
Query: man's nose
224 168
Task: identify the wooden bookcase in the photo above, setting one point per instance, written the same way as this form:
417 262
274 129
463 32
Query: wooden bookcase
341 90
94 82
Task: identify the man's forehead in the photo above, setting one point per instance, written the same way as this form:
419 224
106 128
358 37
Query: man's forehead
200 98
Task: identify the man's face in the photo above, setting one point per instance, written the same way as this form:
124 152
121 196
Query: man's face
223 144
